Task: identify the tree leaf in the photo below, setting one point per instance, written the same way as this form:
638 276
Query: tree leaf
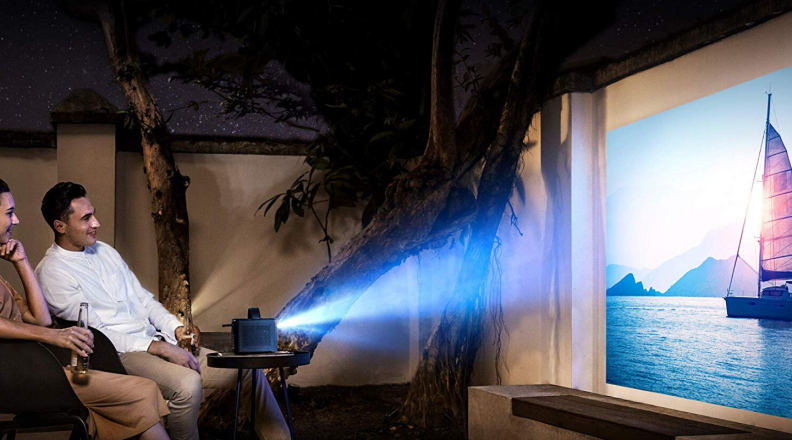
297 207
381 135
282 215
406 124
271 202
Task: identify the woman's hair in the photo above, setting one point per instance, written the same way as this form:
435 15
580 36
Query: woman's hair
4 187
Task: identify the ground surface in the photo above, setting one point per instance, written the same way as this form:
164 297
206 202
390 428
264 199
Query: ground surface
341 413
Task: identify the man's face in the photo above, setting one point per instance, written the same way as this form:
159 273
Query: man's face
80 230
7 217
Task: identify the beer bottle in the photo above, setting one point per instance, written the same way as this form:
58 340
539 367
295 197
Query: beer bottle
79 363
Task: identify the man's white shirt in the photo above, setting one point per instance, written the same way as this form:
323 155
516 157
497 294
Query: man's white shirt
119 306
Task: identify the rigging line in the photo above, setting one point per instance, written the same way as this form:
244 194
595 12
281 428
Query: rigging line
777 258
779 194
777 153
772 104
745 219
777 172
779 218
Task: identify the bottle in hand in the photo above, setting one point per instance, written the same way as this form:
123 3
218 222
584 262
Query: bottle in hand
79 363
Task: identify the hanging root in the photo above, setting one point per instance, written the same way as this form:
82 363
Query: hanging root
495 306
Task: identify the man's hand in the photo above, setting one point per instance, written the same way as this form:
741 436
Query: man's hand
182 334
174 354
13 251
74 338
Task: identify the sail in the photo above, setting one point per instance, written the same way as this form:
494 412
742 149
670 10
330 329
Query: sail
777 215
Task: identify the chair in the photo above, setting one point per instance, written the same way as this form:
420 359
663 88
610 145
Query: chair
104 358
42 396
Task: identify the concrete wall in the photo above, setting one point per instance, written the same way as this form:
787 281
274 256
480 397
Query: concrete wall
86 155
238 261
732 61
553 275
29 174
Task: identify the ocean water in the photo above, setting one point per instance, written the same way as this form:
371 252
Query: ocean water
688 347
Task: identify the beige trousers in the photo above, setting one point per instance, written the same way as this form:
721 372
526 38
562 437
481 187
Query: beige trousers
183 388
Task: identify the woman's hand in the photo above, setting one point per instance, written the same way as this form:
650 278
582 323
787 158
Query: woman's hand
73 338
13 251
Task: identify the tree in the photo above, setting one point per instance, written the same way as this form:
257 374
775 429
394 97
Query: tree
165 183
446 365
422 208
369 84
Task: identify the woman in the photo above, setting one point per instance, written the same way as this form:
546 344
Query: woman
119 406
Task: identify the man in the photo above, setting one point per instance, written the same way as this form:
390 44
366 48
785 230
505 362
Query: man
119 406
78 268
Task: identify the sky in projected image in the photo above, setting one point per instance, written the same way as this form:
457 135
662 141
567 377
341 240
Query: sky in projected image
677 176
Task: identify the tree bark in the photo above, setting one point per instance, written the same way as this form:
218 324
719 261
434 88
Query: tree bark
441 149
165 183
421 210
440 384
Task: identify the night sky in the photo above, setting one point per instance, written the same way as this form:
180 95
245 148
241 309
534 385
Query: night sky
45 54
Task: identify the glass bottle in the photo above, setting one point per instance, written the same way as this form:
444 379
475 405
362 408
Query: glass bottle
79 363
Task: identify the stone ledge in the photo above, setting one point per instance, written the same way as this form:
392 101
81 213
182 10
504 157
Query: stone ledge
492 416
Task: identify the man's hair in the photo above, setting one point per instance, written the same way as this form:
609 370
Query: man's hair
57 202
4 187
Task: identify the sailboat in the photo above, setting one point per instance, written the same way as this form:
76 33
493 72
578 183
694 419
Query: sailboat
775 238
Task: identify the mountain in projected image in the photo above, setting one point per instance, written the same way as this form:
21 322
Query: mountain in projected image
629 287
718 244
616 272
711 278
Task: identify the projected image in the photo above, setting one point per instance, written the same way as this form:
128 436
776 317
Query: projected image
699 249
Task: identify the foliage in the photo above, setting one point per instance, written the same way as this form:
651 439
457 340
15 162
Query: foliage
358 69
366 81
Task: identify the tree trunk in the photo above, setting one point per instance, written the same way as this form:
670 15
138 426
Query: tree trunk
440 384
421 210
165 183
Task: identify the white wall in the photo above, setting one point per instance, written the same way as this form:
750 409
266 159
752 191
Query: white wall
238 261
86 155
553 276
29 173
732 61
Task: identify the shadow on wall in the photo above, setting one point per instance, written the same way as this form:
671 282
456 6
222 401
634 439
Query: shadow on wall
237 258
556 272
239 249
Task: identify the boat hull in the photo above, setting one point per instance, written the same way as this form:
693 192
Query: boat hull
752 307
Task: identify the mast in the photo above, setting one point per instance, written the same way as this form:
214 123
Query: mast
761 238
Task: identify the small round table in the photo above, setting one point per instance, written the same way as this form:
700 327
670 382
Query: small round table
255 361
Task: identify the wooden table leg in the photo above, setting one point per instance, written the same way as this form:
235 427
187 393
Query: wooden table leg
253 405
286 398
236 412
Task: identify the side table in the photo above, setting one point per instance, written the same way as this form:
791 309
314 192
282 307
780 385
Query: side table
255 361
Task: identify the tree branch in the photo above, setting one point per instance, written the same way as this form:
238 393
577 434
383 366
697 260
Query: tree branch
441 149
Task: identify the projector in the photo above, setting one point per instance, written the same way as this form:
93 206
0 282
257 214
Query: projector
254 335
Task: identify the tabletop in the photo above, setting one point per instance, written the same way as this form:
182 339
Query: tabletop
277 359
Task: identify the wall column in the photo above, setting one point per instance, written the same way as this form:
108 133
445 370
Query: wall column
556 283
588 138
85 126
573 169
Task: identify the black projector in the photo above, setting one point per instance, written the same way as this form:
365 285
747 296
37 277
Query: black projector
254 335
